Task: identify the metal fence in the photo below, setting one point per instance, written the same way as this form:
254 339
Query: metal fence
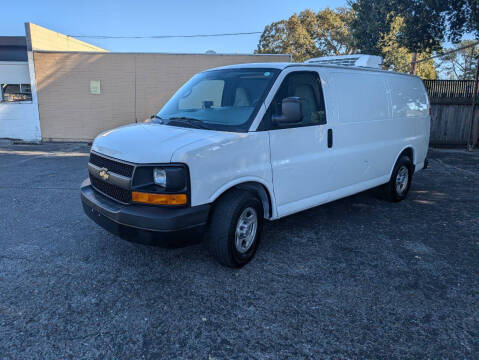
450 91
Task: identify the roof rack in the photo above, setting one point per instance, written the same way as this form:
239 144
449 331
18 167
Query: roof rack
356 60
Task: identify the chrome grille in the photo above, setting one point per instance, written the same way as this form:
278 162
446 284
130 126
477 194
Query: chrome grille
117 167
111 190
116 185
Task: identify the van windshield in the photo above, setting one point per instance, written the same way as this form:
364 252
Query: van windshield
219 99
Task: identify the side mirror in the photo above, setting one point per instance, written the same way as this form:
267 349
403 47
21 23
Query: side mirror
292 112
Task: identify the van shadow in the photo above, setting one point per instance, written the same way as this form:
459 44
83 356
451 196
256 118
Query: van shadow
351 217
304 221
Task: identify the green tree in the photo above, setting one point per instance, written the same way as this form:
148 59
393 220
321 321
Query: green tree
397 57
460 65
370 23
308 34
333 34
427 23
463 17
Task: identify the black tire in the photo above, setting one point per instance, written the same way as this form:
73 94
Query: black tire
221 234
393 191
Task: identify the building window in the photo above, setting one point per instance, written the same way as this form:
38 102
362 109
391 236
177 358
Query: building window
16 92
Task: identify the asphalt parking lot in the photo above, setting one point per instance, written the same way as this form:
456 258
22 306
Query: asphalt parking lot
357 278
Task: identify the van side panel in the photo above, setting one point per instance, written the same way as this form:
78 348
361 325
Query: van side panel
378 116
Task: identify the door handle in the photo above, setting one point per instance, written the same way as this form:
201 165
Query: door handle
330 138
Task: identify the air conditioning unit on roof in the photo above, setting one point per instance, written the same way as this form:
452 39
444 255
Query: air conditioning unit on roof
358 60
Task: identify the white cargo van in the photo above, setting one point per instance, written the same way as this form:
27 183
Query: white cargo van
239 144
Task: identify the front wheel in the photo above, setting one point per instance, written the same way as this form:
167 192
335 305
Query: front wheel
235 228
398 186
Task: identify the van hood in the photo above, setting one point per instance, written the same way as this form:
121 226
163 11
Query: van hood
147 143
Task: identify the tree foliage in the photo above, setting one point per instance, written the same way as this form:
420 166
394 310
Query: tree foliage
308 34
369 25
374 19
463 17
427 23
461 65
397 57
393 29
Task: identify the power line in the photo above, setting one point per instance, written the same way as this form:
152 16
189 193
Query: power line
165 36
405 67
446 53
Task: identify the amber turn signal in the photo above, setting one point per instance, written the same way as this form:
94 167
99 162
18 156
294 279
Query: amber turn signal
159 199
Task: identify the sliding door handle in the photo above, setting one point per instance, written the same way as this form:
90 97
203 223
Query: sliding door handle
330 138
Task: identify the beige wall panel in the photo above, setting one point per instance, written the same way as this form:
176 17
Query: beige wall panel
69 112
67 108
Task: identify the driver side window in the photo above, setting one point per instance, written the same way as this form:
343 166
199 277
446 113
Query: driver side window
307 86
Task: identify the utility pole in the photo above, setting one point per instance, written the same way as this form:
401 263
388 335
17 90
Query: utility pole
413 63
472 141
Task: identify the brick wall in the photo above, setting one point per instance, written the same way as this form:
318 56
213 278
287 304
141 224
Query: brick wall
133 86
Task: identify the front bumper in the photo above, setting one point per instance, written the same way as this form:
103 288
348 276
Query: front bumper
137 222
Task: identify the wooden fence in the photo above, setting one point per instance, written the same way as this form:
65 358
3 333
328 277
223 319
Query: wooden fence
451 106
450 91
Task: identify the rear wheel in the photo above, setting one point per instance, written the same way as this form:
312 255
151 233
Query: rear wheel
235 228
398 186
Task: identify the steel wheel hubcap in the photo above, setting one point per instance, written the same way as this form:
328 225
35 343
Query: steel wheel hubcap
246 229
402 179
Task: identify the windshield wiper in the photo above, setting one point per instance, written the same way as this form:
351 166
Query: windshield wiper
191 122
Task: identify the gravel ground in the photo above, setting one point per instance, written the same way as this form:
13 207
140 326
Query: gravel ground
357 278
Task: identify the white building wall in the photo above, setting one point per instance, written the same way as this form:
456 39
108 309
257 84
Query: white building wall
17 119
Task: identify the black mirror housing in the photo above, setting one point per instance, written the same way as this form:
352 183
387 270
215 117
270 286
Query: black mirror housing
292 112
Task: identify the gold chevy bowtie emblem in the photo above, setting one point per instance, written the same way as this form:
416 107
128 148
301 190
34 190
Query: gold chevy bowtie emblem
104 174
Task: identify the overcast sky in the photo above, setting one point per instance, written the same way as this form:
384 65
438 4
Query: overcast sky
139 18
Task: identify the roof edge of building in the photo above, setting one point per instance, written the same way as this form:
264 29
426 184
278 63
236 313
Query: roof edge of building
41 38
154 53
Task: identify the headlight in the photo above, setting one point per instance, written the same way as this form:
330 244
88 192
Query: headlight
159 177
168 179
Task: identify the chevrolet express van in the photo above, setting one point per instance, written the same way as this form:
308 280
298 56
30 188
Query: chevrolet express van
239 144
